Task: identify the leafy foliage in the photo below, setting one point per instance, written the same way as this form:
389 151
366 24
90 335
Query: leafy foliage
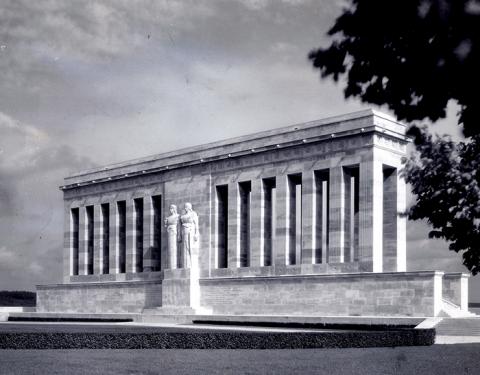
445 176
412 55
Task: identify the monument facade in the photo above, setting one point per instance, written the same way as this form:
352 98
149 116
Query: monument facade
302 220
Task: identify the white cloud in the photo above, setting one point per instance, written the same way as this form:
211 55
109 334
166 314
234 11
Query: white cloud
7 257
261 4
32 166
255 4
83 29
18 143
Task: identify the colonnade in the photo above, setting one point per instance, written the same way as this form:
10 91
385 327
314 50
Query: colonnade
115 237
343 214
332 215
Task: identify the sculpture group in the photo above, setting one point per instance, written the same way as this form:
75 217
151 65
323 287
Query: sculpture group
187 235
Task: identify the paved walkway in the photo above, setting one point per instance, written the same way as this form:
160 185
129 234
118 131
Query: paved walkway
457 340
459 327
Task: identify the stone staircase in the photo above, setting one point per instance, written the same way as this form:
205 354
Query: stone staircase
166 315
171 314
169 310
459 327
450 310
453 321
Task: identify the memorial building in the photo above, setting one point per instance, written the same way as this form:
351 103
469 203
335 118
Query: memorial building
301 220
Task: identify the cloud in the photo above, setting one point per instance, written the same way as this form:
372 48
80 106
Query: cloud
31 161
27 153
40 39
255 4
18 142
262 4
91 29
65 61
35 267
32 166
7 257
17 145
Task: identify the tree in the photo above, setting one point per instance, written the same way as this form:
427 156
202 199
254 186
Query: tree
415 56
412 55
445 177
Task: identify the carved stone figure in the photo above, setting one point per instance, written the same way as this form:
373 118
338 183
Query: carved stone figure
171 223
189 220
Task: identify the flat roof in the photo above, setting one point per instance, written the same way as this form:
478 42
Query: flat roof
232 147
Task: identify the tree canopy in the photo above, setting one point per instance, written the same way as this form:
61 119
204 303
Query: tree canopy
445 177
414 56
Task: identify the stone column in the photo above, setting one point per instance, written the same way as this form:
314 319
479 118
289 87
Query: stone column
308 217
390 215
371 215
233 226
377 248
97 240
336 216
148 235
130 260
256 224
69 258
114 261
401 224
282 238
82 242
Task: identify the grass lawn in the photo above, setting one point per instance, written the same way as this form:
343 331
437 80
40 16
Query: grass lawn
436 359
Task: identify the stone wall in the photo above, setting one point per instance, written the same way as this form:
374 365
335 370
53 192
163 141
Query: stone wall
374 294
455 289
415 294
117 297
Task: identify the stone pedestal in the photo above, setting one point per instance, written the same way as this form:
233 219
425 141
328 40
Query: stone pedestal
181 290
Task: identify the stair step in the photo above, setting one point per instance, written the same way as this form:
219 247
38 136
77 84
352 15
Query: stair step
459 327
451 310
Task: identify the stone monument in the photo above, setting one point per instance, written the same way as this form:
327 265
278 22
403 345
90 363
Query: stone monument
189 219
301 220
171 223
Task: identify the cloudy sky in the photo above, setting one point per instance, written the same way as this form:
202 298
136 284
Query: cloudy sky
89 83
